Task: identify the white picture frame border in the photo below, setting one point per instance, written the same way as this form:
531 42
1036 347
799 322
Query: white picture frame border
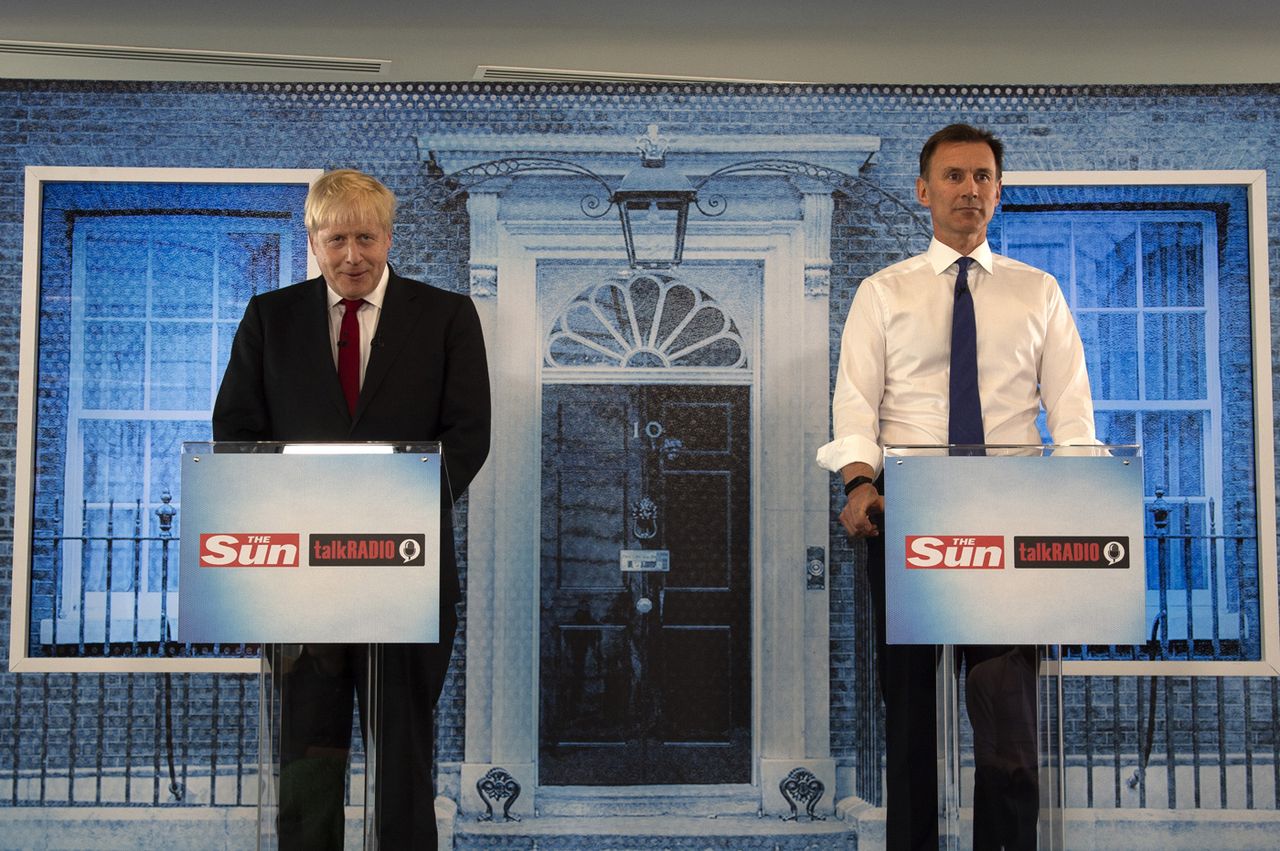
20 661
1255 183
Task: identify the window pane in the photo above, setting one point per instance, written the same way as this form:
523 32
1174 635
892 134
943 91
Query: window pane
157 289
647 321
1144 281
112 459
1174 355
1117 427
181 366
995 233
1111 353
166 461
162 563
115 275
248 264
1173 451
113 365
181 275
1044 243
1172 264
1106 264
226 332
165 444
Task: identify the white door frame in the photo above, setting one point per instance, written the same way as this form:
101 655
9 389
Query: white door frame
783 223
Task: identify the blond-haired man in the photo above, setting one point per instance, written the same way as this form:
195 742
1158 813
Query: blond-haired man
361 354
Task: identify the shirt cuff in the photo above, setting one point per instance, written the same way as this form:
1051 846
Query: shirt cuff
835 455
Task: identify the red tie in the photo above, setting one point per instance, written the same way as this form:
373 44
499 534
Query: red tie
349 352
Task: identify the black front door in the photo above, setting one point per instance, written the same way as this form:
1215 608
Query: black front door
646 673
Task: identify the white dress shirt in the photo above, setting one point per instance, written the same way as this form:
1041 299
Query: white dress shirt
892 382
367 315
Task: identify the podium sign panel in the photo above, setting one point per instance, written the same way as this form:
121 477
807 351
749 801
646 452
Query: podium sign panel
288 547
995 549
1041 547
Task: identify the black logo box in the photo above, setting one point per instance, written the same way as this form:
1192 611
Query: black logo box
1071 552
366 550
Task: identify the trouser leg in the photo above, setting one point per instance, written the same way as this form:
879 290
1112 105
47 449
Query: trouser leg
403 720
908 685
315 721
1000 695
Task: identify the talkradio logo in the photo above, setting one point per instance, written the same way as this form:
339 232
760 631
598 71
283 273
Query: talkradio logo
367 550
955 552
1068 551
240 549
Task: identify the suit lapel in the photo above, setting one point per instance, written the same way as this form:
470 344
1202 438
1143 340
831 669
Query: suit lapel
399 317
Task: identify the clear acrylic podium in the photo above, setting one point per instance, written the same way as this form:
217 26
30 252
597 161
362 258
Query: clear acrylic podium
323 554
297 779
1000 555
1016 776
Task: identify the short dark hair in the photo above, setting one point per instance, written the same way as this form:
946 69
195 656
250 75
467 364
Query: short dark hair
961 133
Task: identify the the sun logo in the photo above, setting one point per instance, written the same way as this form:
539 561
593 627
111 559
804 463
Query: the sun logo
245 550
982 552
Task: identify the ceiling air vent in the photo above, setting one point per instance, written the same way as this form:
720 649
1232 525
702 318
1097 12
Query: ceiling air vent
200 57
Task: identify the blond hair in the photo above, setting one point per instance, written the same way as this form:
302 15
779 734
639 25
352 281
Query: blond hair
346 196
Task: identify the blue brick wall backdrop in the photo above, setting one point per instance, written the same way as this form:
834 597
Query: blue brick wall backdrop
57 728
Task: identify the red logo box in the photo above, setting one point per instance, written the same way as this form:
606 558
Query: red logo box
955 552
249 549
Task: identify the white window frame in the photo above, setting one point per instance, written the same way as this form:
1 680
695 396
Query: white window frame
1255 184
1210 405
24 474
149 603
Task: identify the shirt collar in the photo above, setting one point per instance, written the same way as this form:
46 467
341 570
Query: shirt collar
942 257
374 298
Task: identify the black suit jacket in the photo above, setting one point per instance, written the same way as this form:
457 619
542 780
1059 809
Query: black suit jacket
427 379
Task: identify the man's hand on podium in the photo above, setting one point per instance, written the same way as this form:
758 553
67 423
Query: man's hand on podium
864 506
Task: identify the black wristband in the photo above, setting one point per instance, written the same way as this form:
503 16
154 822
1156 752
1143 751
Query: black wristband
857 482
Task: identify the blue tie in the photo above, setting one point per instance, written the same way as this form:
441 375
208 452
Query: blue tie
965 424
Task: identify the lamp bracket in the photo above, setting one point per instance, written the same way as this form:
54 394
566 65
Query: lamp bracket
441 189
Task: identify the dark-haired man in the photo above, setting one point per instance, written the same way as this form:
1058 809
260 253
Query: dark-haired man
901 380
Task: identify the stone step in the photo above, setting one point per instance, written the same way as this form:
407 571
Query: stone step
691 800
654 833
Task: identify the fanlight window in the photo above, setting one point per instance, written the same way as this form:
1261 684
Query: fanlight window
650 320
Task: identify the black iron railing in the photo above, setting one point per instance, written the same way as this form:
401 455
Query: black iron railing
85 622
126 739
1159 741
191 739
85 739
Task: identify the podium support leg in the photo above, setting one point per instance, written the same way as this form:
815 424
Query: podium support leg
371 720
1052 767
1003 758
949 757
272 660
306 698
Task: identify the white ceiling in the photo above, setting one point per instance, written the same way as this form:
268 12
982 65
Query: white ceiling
906 41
